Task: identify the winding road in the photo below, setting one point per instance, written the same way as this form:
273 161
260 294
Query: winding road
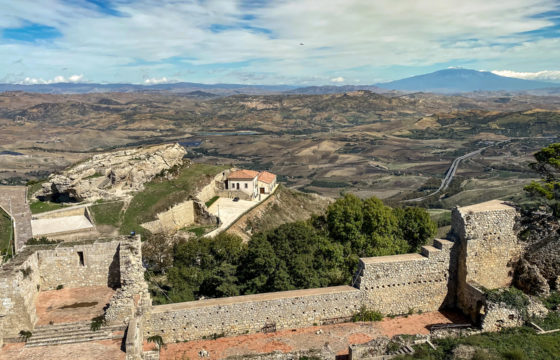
452 169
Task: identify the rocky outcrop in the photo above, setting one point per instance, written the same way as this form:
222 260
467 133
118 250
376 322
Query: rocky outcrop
540 235
112 175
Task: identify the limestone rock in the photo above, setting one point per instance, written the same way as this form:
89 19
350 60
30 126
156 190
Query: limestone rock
112 175
528 278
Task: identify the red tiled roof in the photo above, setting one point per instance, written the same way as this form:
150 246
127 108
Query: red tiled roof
267 177
243 175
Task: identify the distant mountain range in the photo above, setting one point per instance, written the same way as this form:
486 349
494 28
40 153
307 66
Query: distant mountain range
464 80
183 88
448 81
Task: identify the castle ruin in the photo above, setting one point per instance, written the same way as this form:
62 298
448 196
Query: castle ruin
448 274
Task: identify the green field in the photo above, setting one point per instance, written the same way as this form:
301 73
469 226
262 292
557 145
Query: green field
161 194
44 206
5 233
107 213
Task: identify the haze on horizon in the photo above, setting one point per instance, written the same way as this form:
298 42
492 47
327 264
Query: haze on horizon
303 42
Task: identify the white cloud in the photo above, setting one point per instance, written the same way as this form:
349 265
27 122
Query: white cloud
350 38
338 79
57 79
162 80
546 75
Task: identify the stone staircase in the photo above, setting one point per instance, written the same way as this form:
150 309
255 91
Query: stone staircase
70 333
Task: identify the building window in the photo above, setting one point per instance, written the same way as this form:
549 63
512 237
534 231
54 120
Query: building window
246 185
81 257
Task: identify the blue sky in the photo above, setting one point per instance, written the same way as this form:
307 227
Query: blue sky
299 42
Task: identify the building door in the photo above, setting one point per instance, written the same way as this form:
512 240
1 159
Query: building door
237 186
262 190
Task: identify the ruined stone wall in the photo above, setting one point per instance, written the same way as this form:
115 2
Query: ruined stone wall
251 313
63 265
19 287
132 298
401 283
498 316
488 243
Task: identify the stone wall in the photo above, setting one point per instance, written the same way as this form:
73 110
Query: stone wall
132 297
86 264
251 313
488 243
180 216
19 287
401 283
498 316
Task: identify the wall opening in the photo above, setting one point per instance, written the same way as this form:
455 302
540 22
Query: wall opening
81 257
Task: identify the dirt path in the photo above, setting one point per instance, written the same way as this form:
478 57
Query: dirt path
337 337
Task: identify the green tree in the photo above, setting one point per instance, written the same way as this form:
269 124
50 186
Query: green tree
345 218
416 226
548 167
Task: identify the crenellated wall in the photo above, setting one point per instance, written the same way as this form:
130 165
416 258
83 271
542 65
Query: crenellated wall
401 283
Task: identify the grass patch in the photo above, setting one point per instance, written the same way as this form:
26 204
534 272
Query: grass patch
107 213
367 315
6 233
552 302
161 194
198 231
516 343
44 206
211 201
512 297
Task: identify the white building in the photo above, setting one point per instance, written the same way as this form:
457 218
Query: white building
266 182
250 182
245 181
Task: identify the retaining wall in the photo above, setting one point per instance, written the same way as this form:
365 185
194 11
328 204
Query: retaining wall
251 313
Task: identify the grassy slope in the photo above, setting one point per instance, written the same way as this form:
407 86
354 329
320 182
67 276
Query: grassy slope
107 213
5 231
161 194
286 205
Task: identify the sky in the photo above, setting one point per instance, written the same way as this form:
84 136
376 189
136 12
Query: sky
294 42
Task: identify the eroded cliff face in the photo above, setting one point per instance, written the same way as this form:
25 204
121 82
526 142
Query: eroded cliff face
112 175
538 271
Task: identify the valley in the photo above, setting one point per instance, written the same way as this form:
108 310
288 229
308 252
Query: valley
393 146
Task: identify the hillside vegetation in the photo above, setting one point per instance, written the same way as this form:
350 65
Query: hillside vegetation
163 192
323 251
284 206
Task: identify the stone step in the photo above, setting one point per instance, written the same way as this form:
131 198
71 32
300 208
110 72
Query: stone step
73 340
64 325
428 250
43 331
443 244
67 334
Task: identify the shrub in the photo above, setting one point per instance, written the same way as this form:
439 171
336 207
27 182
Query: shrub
25 335
97 323
156 339
367 315
60 287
